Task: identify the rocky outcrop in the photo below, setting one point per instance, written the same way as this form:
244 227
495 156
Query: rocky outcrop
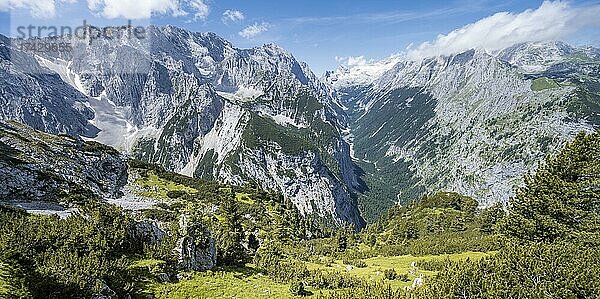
196 248
40 166
147 232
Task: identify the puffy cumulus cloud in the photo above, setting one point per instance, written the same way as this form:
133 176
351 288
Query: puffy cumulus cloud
232 16
128 9
144 9
139 9
551 21
353 60
254 30
37 8
200 9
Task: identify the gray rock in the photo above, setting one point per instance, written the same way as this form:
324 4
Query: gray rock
40 166
103 291
147 232
38 96
196 249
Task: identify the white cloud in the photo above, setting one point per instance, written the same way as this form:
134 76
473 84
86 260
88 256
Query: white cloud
37 8
254 30
353 60
139 9
551 21
129 9
201 9
232 16
144 9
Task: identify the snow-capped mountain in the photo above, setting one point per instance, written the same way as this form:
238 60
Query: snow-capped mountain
362 74
536 57
473 122
197 105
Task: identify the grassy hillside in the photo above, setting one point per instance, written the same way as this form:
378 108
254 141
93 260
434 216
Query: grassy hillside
436 246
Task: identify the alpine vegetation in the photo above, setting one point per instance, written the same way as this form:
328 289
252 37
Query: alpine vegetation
162 160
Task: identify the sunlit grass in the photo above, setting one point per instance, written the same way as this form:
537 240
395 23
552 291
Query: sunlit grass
244 198
401 264
240 283
147 263
158 187
248 283
543 83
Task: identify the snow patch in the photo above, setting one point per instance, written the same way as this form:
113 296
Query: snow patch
381 127
363 74
42 208
62 68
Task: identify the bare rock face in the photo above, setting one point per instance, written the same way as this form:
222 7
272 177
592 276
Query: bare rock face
38 96
196 248
147 232
36 165
197 105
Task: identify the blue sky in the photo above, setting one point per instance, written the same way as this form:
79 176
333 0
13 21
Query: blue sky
319 31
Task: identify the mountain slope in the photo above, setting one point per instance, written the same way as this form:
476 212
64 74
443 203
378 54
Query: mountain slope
122 223
471 123
35 95
199 106
47 167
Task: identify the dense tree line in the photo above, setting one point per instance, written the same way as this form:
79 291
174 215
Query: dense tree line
74 257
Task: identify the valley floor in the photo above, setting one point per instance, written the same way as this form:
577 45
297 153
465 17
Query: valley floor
249 283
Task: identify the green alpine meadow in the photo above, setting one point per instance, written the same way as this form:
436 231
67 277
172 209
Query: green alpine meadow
286 149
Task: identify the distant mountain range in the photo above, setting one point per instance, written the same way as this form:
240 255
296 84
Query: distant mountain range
342 148
472 123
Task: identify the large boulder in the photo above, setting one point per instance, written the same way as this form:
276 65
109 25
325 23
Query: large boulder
196 248
147 232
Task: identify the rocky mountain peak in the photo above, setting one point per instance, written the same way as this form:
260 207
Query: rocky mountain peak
536 56
195 104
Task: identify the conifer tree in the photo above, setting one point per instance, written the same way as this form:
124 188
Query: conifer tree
231 251
561 200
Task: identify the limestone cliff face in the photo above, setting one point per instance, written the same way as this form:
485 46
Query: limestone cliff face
39 97
195 104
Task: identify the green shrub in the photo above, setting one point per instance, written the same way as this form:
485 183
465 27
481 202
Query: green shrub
363 290
174 194
297 288
561 200
532 270
390 274
68 257
355 262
